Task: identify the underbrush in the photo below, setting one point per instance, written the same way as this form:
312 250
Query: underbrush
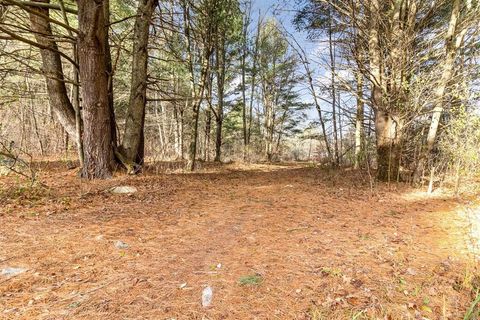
23 193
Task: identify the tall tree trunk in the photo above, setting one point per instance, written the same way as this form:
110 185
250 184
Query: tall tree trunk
319 110
53 70
132 145
269 128
359 136
218 135
451 45
388 127
243 66
178 116
333 90
98 143
252 86
75 94
220 70
110 71
208 129
197 86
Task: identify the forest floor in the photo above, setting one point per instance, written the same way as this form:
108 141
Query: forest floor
272 241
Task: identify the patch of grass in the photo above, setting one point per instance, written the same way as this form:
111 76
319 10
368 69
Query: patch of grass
470 280
316 314
473 312
358 315
22 192
331 272
251 280
74 304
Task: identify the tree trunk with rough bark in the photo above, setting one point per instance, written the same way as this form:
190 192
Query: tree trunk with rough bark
388 130
53 70
98 143
132 144
220 70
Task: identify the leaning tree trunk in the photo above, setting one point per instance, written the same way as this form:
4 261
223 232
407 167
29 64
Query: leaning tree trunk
52 69
132 144
98 144
451 45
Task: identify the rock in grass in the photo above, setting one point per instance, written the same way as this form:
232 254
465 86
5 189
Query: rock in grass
207 296
123 190
120 245
10 272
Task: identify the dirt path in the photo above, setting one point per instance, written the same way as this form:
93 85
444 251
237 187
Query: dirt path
320 245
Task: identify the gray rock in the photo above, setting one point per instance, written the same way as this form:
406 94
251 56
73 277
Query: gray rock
207 296
123 190
10 272
120 245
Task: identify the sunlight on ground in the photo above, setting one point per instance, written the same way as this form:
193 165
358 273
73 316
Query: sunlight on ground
462 221
471 216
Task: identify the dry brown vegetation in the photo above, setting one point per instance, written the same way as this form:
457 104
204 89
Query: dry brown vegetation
273 241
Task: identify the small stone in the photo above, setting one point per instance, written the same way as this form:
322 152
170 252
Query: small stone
411 272
298 290
10 272
219 266
183 285
120 245
123 190
207 296
99 237
251 239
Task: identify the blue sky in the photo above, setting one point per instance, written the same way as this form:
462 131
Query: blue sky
284 11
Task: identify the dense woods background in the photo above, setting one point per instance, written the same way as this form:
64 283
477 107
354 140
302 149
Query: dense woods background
391 85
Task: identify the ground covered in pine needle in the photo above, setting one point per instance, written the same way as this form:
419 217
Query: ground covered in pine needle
272 241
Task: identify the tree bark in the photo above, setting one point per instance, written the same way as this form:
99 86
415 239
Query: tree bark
269 126
359 136
132 146
110 71
208 125
388 130
220 70
388 127
92 46
53 70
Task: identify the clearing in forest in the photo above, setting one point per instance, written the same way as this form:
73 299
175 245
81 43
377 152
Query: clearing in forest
272 242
